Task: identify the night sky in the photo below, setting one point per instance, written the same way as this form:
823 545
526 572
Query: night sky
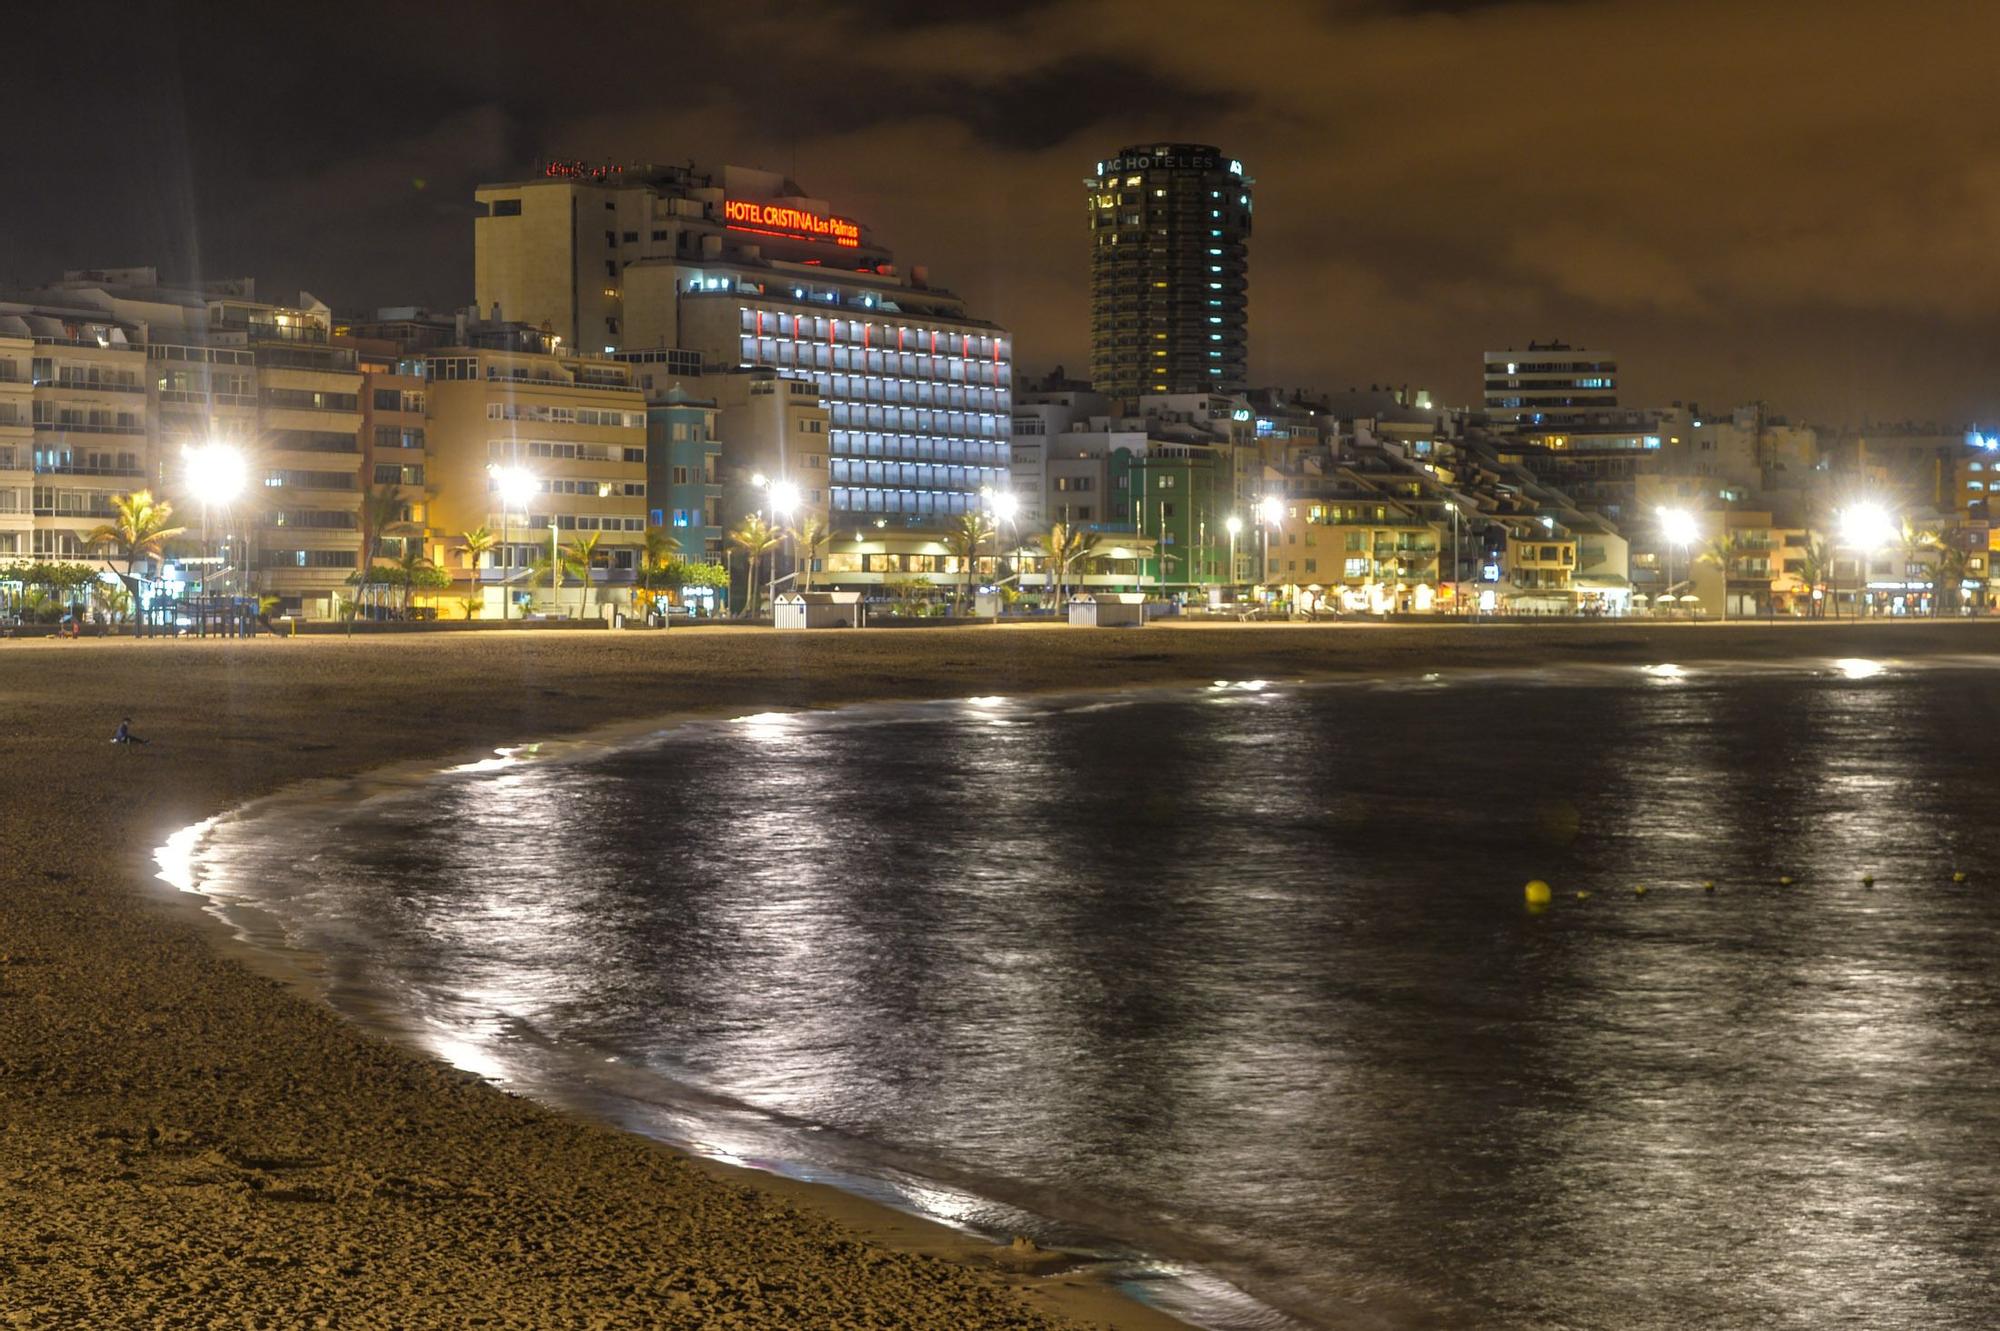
1798 201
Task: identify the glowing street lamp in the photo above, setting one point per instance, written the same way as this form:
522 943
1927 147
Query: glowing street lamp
1678 527
1865 528
1234 525
781 500
1005 507
514 485
1270 512
215 474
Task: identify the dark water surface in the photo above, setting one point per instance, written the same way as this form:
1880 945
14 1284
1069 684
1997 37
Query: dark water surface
1243 981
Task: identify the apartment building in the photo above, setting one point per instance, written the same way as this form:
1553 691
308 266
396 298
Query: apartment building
573 428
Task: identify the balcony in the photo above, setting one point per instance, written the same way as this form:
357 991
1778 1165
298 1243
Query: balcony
77 427
84 469
86 385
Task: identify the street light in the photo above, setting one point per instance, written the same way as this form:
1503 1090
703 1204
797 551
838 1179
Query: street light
1864 528
215 474
1457 595
514 485
784 498
1005 506
1270 512
1235 526
1679 527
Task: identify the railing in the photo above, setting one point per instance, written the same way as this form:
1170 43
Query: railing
202 399
87 385
83 469
563 384
77 427
90 342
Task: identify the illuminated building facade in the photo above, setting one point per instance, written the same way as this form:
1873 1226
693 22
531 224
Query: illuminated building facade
575 424
1169 271
743 269
74 431
1550 385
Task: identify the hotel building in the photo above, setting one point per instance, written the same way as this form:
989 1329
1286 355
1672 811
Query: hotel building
1169 271
743 269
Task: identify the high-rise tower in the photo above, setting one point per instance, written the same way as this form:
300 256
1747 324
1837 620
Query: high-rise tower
1169 271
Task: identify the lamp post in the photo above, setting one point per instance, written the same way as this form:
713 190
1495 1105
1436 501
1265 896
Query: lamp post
1864 529
513 485
1270 512
215 474
1235 526
1456 599
1005 508
784 499
1678 526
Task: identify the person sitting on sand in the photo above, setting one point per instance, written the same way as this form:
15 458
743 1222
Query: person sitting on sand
124 735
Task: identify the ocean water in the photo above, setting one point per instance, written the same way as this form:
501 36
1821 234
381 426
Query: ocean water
1236 987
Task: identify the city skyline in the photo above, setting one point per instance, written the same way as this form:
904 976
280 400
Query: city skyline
1741 210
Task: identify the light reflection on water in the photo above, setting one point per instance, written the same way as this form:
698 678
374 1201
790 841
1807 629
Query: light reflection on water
1241 978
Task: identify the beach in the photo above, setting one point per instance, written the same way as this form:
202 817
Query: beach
185 1141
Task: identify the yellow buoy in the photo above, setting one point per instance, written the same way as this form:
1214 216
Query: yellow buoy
1538 893
1639 891
1784 880
1708 884
1958 877
1867 880
1583 894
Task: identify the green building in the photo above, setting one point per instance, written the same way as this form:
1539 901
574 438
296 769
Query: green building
1180 497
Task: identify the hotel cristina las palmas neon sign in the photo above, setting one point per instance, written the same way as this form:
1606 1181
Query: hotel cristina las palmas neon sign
773 219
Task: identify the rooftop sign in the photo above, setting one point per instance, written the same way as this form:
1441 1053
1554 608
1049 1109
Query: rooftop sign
578 169
775 219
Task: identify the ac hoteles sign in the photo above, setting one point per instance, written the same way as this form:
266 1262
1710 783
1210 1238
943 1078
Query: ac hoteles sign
777 219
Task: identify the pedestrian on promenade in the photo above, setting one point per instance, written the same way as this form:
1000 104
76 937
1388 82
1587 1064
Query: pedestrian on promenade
124 735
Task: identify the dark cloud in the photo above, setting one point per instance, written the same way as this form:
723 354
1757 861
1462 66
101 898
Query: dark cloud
1788 200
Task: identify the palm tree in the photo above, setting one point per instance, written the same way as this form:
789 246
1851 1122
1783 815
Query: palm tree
136 531
1064 547
411 567
583 552
1953 566
655 555
971 531
550 568
381 516
1815 568
479 541
1915 542
1723 552
755 537
809 539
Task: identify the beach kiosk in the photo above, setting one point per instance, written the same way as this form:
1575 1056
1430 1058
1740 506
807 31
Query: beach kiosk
1108 610
817 610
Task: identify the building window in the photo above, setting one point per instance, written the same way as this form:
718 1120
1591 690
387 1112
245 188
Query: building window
506 208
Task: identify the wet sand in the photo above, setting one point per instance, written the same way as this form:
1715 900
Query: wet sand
187 1143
